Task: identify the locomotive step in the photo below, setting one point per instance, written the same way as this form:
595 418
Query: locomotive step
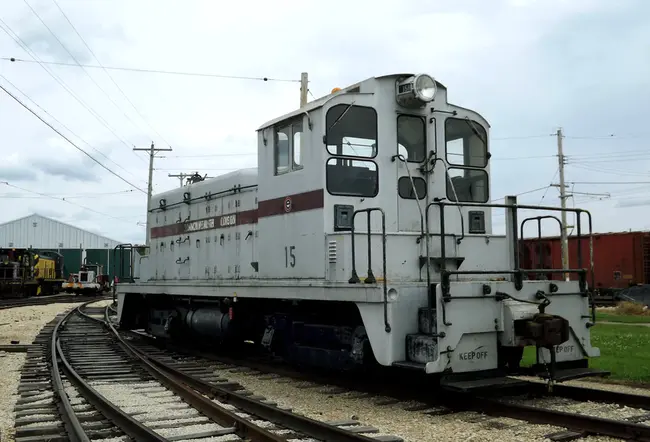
482 384
572 373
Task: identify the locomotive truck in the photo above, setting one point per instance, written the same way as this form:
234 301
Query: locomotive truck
364 236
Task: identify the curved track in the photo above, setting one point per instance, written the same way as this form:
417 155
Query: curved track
6 303
100 387
576 409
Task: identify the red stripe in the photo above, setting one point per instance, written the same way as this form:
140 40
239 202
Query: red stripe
277 206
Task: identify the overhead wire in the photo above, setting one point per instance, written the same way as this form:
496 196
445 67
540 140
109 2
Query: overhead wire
77 61
62 199
64 126
80 195
70 141
6 28
156 71
108 74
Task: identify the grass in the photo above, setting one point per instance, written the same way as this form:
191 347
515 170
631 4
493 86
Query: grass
628 319
624 351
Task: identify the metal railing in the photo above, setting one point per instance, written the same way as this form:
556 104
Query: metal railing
517 272
371 277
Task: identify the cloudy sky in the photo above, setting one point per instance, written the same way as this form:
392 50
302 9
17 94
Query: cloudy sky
529 67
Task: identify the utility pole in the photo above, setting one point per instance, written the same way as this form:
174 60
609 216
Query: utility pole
152 151
563 196
304 88
181 176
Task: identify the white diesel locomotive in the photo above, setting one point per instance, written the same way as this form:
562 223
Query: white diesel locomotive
364 236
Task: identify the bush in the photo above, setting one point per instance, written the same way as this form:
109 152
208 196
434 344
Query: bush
632 308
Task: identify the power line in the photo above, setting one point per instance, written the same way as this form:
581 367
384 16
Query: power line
522 137
549 186
522 193
69 141
80 195
609 182
211 155
154 71
77 61
107 73
62 199
67 88
63 125
609 170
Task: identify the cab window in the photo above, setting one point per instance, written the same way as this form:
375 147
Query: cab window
352 131
465 143
288 147
411 138
351 136
467 185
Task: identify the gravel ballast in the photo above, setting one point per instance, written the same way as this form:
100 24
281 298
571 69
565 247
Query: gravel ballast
20 324
414 426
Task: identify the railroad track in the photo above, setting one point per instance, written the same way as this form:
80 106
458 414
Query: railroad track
83 382
576 409
6 303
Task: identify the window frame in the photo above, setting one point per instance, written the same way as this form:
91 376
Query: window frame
328 125
415 178
450 195
281 127
426 137
485 144
353 195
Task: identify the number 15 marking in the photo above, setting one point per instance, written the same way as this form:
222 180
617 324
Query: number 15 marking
289 256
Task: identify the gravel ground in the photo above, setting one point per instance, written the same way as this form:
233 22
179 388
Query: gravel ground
19 324
394 419
10 366
23 323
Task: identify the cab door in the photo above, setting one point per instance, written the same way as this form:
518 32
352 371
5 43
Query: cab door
413 133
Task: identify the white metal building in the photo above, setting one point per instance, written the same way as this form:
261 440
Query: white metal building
41 232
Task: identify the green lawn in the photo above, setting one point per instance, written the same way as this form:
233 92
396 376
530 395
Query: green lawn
630 319
624 351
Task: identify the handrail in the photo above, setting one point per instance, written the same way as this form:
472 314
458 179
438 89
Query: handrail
371 277
517 272
539 234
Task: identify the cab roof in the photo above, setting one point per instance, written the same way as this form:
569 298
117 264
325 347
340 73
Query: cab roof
322 100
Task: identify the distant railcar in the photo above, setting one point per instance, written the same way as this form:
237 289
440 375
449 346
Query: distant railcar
364 236
621 259
28 272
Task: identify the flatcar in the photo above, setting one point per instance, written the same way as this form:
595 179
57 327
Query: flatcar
363 237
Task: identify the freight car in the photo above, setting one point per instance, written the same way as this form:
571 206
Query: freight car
26 272
621 262
363 237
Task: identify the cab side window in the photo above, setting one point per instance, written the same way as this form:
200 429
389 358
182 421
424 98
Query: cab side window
288 154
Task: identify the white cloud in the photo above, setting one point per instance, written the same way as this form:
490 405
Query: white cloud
527 66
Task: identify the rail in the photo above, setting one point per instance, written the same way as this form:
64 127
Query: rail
517 272
194 390
129 425
370 279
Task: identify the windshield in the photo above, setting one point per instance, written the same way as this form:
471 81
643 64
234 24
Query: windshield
351 135
465 143
411 138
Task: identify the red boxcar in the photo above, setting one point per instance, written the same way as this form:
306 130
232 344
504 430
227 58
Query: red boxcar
621 259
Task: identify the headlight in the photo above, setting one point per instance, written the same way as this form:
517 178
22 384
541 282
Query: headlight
416 91
425 87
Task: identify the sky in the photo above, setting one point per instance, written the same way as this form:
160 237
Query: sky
529 67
